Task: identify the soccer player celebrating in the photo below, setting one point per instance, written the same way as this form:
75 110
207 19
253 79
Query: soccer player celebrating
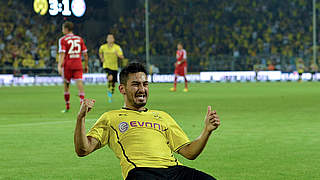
70 66
144 140
109 54
180 67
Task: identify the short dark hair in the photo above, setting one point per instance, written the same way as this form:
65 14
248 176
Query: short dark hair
134 67
68 25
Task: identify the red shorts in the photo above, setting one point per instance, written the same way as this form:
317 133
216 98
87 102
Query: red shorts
69 74
181 70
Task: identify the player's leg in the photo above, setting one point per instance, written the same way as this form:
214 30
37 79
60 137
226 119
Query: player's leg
113 87
185 84
77 76
109 84
66 75
109 90
66 85
80 86
107 71
174 83
186 173
312 76
109 78
114 80
185 79
175 80
300 77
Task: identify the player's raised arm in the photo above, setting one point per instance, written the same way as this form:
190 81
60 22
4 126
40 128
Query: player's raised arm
192 150
84 145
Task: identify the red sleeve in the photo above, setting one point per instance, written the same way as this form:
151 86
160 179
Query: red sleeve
83 47
62 45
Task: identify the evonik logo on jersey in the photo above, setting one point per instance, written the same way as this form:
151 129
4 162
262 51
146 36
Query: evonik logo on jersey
124 126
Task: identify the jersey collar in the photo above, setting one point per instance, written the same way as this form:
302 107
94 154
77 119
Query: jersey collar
135 110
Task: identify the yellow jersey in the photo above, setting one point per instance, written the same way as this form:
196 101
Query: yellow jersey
110 59
300 67
140 138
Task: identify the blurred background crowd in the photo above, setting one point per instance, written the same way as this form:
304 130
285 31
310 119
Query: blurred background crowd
218 35
26 39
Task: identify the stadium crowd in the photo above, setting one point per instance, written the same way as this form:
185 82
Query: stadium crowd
278 32
270 35
24 41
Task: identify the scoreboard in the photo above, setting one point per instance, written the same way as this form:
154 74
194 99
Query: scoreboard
63 7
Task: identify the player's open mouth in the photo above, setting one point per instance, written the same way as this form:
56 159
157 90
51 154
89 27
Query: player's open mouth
141 96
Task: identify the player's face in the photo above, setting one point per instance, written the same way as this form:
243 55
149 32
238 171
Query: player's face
137 90
110 39
179 46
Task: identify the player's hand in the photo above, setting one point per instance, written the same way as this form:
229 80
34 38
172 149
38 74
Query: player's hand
116 53
86 69
85 107
60 70
212 120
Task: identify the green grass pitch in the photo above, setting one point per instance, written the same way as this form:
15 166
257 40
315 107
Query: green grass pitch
268 130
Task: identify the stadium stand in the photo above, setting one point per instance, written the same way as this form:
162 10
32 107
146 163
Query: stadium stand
243 32
24 42
230 35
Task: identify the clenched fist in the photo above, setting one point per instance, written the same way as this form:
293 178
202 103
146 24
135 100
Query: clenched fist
85 107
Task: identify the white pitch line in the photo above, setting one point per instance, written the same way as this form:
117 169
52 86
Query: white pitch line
42 123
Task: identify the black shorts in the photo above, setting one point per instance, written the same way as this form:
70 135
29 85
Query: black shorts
171 173
113 73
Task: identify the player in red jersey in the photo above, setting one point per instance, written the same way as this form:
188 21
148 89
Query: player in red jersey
70 66
180 67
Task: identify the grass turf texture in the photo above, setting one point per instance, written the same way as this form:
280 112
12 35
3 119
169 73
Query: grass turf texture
268 131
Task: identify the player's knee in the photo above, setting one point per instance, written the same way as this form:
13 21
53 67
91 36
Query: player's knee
110 77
